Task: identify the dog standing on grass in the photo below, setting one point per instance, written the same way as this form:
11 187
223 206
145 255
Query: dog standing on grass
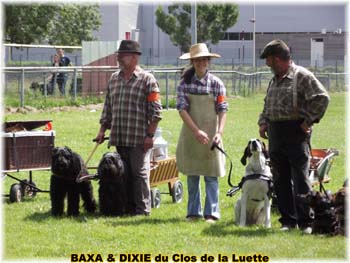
113 198
253 207
66 167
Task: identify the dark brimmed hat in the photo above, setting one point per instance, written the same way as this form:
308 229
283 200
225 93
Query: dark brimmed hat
129 46
276 48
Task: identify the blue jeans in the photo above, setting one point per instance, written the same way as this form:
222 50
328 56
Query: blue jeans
194 206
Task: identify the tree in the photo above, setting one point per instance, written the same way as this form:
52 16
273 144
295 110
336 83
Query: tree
26 24
67 24
212 21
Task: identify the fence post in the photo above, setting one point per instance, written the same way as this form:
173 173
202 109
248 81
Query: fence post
45 86
75 85
22 89
166 91
336 75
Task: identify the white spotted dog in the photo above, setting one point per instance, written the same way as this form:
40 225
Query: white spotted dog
253 207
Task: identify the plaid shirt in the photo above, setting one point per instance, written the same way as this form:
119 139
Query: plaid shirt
312 98
209 84
128 110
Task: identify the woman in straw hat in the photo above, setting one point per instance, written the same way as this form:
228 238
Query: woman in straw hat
202 107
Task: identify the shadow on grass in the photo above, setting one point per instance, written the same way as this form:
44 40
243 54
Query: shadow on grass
109 220
39 216
222 229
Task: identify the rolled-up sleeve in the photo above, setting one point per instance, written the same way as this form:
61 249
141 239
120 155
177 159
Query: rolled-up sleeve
181 100
221 104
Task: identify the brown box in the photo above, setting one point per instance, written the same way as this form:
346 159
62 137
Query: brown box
28 149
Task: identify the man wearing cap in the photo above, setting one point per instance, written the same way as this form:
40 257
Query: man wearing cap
295 101
131 112
202 106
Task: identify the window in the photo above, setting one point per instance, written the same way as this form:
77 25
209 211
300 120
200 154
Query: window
237 36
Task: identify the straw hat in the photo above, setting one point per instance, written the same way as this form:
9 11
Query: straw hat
199 50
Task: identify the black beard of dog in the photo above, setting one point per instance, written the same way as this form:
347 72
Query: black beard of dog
113 199
66 166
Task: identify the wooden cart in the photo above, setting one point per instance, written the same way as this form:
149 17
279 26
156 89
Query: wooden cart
165 171
26 150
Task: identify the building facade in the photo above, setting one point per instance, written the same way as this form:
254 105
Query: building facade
316 34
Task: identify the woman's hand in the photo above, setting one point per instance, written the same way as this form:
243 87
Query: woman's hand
217 138
202 137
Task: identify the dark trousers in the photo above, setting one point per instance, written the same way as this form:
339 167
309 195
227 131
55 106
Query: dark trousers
138 184
290 159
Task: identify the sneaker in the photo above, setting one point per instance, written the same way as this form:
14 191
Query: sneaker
210 219
307 230
285 228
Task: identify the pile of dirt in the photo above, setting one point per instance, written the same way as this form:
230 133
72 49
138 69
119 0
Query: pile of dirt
29 109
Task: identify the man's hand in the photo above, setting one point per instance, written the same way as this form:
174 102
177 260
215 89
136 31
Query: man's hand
263 131
305 127
147 143
100 137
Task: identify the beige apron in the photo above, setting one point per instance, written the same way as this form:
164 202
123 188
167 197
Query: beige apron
192 157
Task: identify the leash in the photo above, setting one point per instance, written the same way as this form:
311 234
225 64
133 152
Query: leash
213 146
84 177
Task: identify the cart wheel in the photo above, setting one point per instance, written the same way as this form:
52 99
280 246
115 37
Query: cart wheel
15 193
28 190
177 192
155 198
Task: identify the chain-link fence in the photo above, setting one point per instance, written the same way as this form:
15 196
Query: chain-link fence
92 81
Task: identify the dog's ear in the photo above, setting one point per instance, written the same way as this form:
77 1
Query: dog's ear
68 149
54 151
246 154
265 151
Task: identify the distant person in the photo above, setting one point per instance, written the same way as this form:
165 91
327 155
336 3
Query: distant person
202 107
62 77
295 101
52 79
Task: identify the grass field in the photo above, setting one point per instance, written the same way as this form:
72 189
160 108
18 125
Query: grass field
30 233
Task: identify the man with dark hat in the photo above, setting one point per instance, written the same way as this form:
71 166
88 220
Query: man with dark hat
131 112
295 101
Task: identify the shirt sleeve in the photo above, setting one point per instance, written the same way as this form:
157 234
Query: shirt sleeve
154 105
263 119
181 100
221 104
106 116
316 99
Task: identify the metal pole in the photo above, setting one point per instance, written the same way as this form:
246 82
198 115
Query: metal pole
253 21
193 23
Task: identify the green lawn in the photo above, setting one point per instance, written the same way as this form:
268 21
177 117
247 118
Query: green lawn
31 233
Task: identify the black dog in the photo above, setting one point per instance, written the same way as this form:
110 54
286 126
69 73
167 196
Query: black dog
66 167
113 198
339 200
325 220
